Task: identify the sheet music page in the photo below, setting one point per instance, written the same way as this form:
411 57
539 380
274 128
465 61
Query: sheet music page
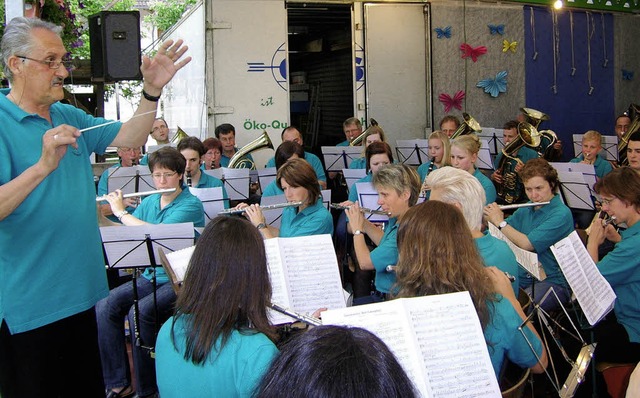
337 158
527 260
179 261
278 280
594 294
437 340
450 338
368 198
389 321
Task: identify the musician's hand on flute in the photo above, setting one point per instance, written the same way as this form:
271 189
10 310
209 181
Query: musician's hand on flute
493 213
54 145
254 214
116 201
356 218
346 203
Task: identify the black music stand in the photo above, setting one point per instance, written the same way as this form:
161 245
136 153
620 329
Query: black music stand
576 192
368 198
337 158
412 152
266 176
484 156
495 143
131 179
236 181
212 200
134 247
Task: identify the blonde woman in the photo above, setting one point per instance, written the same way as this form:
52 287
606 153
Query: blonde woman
464 153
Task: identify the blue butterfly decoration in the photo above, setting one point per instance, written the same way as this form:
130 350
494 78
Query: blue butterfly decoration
627 74
443 32
496 29
494 86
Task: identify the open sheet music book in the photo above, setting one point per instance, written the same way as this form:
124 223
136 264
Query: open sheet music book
527 260
594 294
438 341
303 272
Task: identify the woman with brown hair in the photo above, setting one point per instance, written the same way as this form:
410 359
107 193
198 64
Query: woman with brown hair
436 260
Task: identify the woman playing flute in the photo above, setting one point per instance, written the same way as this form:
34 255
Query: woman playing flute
398 187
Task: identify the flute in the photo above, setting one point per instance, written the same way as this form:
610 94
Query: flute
269 207
519 205
135 194
301 317
338 206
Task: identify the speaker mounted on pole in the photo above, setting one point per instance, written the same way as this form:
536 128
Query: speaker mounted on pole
115 46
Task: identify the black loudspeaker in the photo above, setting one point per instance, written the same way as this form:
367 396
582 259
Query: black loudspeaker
115 45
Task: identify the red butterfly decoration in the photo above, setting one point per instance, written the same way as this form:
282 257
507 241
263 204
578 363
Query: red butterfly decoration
474 53
455 102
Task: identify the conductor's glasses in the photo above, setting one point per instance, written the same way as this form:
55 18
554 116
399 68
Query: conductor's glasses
52 64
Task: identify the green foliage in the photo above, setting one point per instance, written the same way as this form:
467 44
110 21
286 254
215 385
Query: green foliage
164 14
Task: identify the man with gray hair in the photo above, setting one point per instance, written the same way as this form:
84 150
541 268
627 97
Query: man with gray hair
463 190
51 261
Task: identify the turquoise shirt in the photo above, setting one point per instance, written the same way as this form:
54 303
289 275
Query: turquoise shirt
487 184
504 340
313 220
353 191
344 143
272 189
312 159
544 227
386 254
51 260
224 160
184 208
233 371
601 166
359 163
621 268
423 170
496 253
209 181
524 154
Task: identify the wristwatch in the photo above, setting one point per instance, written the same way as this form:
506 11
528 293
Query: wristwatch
502 224
261 225
357 232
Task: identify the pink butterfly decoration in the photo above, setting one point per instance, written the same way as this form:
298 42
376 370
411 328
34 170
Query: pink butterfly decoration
449 102
470 52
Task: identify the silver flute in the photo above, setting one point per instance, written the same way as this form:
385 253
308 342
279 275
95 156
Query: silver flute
519 205
338 206
269 207
301 317
136 194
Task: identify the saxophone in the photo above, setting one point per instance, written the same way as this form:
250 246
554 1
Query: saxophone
511 188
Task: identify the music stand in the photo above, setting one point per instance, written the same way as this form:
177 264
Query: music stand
609 146
337 158
368 198
272 217
494 139
576 182
353 175
484 156
326 198
266 176
412 152
135 247
131 179
153 148
212 200
236 181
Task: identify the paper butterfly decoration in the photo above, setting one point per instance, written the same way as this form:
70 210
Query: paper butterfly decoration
507 45
449 102
470 52
443 32
496 29
494 86
627 74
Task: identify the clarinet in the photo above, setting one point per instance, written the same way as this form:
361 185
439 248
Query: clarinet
189 179
424 189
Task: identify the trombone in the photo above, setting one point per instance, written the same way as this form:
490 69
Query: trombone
358 140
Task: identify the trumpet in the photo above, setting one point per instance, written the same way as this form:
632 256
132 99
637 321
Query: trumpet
338 206
269 207
136 194
605 218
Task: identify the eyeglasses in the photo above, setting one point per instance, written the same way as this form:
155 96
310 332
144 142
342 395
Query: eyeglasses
607 201
160 128
68 64
158 176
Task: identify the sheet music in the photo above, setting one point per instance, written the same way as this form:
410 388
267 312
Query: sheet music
179 262
125 246
337 158
484 161
266 176
594 294
412 152
124 179
153 148
527 260
353 175
368 198
438 340
494 139
212 201
236 181
588 170
304 274
576 192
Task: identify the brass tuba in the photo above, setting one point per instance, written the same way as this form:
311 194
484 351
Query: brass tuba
358 140
511 188
180 134
238 161
547 137
468 126
634 114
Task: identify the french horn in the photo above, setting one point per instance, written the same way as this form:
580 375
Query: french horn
468 126
238 160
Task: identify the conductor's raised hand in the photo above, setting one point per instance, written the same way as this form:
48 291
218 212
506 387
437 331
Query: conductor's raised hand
160 69
55 143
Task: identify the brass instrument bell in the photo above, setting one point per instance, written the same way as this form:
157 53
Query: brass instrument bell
238 161
468 126
358 140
